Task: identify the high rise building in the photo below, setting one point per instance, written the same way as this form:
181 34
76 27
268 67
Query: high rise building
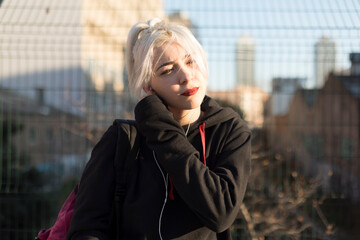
245 61
71 55
106 25
325 60
105 28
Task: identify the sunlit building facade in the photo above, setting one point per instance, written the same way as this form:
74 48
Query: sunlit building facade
245 61
325 60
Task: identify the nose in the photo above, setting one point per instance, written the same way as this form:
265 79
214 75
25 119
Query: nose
186 74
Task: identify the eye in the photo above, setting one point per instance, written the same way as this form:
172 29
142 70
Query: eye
190 61
167 71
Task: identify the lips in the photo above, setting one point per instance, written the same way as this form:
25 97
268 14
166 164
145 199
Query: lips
190 92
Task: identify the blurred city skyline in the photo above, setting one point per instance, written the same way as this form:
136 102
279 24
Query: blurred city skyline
284 35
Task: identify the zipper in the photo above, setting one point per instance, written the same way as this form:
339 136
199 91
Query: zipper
165 178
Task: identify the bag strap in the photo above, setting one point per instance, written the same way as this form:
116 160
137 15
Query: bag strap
123 166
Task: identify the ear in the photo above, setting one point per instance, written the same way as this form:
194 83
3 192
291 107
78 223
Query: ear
147 89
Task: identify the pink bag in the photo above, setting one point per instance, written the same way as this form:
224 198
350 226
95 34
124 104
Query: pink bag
59 230
62 224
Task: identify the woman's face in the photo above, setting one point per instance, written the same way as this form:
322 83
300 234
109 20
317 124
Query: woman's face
177 78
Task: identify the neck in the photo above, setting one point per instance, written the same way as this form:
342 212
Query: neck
185 117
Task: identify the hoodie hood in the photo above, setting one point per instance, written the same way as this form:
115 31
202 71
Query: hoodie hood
214 113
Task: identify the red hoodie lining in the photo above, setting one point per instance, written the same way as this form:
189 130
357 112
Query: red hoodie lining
202 134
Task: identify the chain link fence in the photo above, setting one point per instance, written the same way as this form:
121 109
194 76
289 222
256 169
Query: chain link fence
290 68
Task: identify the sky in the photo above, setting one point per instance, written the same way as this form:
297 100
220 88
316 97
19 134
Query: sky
284 33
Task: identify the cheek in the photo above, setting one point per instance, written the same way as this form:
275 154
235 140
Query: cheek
163 84
203 80
155 84
161 87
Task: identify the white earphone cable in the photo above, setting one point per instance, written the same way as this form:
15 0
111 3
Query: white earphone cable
165 178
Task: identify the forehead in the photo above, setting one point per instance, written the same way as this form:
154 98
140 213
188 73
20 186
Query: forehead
169 52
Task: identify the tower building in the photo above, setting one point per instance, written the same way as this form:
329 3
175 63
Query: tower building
245 61
325 60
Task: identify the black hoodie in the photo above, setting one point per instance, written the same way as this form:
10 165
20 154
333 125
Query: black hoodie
174 192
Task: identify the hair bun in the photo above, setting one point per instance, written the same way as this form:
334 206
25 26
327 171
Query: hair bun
154 21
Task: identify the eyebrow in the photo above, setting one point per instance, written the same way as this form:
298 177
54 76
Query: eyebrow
172 62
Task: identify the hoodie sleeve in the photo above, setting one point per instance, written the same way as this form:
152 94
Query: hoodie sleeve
92 211
213 195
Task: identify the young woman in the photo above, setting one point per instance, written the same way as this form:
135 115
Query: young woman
194 161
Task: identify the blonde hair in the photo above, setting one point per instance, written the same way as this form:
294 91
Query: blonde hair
144 37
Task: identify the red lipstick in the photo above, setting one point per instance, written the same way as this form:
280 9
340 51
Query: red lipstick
190 92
